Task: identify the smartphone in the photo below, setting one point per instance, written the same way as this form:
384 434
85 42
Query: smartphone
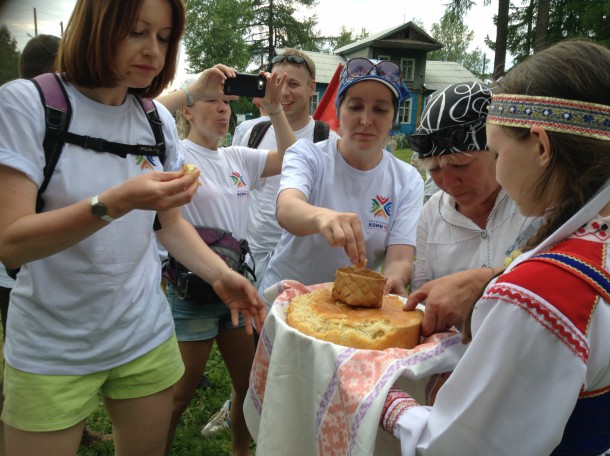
246 85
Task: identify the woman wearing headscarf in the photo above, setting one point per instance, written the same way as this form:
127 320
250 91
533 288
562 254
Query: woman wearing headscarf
471 223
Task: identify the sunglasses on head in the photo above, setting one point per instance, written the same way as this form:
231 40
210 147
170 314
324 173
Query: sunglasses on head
296 59
387 69
445 138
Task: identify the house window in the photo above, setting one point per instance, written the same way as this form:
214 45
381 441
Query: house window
384 57
313 103
404 113
408 69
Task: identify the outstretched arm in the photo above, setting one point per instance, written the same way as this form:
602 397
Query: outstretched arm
340 229
398 268
183 242
208 86
283 131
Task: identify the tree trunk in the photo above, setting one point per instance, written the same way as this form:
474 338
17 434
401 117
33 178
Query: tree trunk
542 25
501 39
271 48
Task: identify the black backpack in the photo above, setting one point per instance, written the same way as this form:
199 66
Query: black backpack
58 114
320 132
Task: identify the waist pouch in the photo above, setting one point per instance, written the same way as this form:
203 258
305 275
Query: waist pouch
233 252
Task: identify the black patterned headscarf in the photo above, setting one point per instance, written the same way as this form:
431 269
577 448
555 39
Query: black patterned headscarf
455 105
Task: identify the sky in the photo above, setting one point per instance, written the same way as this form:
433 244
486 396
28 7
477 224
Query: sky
372 15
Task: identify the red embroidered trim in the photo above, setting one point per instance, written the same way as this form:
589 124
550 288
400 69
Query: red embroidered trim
547 316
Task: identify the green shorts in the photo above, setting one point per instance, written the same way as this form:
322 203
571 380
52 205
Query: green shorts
38 403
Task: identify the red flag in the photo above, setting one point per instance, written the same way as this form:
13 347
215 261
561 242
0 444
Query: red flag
326 108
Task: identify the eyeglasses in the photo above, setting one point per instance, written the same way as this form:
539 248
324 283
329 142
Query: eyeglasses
445 138
296 59
387 69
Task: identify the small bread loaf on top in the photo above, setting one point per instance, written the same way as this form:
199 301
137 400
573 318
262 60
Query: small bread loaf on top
318 315
359 287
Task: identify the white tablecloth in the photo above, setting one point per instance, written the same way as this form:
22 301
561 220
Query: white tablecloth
309 397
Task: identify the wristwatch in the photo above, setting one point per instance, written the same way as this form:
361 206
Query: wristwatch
100 210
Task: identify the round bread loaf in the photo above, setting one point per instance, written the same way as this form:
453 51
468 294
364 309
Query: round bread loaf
318 315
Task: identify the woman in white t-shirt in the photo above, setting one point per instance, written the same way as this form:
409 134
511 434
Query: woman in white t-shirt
346 201
228 174
87 317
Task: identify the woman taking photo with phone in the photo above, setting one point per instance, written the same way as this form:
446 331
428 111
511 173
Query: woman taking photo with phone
229 174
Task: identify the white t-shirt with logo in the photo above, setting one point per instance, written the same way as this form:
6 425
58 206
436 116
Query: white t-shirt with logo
97 304
388 199
228 176
263 230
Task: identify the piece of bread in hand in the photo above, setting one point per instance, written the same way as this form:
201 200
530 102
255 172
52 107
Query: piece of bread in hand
189 168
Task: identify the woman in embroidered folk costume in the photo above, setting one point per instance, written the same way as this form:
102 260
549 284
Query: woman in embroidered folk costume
535 379
347 200
87 316
228 176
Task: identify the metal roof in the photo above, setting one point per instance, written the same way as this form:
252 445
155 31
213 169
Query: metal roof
326 65
441 74
438 74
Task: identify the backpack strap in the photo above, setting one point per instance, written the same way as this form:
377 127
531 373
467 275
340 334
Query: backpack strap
58 114
155 124
257 133
321 131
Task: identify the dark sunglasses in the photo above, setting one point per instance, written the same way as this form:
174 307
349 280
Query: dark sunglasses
296 59
445 138
387 69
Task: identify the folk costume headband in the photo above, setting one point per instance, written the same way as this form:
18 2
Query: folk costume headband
554 114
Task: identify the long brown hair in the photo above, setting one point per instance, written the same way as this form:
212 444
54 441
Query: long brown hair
579 166
88 48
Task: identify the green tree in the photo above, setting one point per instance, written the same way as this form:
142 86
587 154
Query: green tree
242 33
216 33
275 26
459 8
455 37
566 19
9 56
346 36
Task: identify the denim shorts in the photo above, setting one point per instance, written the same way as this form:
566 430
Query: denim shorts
199 321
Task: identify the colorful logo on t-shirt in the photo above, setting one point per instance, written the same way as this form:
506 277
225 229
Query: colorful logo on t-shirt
146 161
237 179
381 207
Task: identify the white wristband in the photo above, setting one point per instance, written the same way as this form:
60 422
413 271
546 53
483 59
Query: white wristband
190 101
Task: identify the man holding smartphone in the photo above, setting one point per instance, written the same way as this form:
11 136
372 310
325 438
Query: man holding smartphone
263 230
